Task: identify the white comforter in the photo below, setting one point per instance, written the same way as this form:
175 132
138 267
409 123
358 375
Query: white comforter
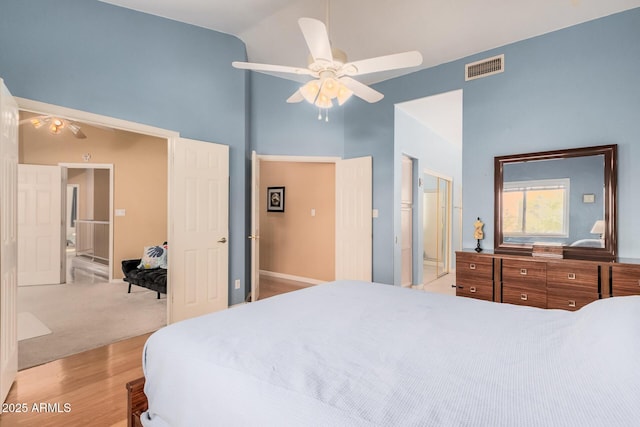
361 354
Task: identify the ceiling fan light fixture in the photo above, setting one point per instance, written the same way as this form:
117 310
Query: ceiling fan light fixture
323 101
343 94
330 87
310 91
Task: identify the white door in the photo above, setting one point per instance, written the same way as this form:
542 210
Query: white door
8 240
40 225
406 222
353 219
255 227
199 229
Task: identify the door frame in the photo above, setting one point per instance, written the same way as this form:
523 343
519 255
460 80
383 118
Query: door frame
169 136
299 159
110 168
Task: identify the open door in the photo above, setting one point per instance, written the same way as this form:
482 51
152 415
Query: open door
354 195
40 225
198 276
8 240
255 227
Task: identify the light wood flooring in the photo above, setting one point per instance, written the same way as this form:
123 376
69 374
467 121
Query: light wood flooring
270 286
92 383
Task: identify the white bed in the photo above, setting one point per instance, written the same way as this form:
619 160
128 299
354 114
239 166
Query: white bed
362 354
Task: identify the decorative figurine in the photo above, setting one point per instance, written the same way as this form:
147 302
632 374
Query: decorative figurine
478 234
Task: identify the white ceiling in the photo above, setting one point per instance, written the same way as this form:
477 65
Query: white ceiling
442 30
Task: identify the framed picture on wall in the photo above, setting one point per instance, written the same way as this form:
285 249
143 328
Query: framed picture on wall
275 199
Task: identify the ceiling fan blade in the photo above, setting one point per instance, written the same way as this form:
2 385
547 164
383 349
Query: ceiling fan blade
315 34
361 90
296 97
382 63
269 68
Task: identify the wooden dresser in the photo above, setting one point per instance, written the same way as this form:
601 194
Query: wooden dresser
543 282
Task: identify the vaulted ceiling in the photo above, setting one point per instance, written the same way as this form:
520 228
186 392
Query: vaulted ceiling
442 30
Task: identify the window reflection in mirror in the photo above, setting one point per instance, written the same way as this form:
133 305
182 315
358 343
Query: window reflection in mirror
545 201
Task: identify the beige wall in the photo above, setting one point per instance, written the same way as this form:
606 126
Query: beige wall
294 242
140 178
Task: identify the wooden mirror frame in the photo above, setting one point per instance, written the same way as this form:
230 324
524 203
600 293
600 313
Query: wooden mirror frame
610 251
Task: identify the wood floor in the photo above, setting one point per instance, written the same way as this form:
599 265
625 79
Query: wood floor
88 389
270 286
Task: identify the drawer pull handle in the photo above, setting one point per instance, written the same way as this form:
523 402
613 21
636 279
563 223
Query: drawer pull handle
523 271
572 303
472 289
571 276
524 297
472 266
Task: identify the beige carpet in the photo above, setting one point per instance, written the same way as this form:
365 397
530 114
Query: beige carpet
85 314
29 326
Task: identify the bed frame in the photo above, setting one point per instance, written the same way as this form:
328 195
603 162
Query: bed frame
136 402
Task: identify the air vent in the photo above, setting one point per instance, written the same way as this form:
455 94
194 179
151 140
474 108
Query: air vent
484 68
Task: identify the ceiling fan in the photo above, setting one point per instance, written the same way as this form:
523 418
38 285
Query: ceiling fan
55 125
330 71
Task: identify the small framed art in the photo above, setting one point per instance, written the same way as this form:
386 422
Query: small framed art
275 199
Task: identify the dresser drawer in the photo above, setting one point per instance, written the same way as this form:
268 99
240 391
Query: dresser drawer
569 300
577 276
524 273
524 296
625 280
473 267
473 289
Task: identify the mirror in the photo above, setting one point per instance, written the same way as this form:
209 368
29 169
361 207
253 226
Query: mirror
562 198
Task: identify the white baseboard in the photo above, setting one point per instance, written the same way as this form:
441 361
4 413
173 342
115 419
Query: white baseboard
291 277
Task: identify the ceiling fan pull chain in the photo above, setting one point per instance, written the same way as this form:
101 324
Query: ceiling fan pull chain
326 115
319 113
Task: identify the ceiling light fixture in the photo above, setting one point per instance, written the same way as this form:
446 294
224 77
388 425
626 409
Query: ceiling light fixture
330 71
55 125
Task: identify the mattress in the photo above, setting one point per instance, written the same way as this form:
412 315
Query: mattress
352 353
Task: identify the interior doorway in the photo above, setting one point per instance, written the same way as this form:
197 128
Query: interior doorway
94 309
436 199
89 231
346 203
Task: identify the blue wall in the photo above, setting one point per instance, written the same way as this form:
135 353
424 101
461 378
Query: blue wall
571 88
107 60
278 128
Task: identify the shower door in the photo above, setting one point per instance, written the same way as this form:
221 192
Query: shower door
436 226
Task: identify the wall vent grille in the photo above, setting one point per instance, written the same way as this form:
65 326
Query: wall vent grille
484 68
